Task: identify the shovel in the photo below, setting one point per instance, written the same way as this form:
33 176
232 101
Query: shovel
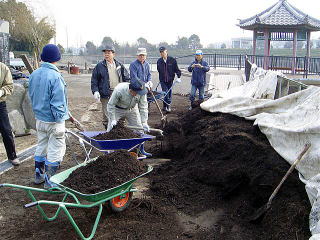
163 117
260 213
152 130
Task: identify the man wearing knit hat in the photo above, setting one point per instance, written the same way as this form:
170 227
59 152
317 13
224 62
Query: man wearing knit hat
47 90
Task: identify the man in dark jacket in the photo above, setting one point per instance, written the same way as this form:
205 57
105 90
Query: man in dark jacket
167 67
106 76
198 67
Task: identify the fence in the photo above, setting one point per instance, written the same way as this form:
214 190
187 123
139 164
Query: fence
293 65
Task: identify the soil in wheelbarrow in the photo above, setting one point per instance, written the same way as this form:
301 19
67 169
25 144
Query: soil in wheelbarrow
223 168
106 172
119 131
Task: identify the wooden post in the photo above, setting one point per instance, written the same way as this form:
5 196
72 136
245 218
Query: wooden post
308 51
27 63
254 44
68 67
294 47
266 48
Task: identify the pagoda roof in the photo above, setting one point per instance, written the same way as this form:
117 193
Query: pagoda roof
281 15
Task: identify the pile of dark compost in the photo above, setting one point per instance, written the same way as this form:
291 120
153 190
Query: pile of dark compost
119 131
223 163
106 172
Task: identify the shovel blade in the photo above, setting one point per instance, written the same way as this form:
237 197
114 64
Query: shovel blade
163 121
259 214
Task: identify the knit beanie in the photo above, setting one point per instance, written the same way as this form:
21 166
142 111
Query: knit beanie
50 53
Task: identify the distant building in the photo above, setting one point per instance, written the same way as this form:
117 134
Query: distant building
4 42
315 43
242 42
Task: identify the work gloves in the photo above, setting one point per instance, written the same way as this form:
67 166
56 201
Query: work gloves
146 127
96 95
1 93
149 85
111 125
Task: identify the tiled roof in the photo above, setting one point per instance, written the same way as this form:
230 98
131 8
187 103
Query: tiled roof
281 14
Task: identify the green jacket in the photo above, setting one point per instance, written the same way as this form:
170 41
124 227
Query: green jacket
6 82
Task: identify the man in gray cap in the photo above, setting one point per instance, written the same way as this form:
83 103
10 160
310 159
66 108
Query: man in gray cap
129 101
106 76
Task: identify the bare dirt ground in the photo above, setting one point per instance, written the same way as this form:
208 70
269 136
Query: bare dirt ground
155 213
144 219
21 144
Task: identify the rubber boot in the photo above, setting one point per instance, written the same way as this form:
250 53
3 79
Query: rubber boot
50 170
39 172
164 108
143 152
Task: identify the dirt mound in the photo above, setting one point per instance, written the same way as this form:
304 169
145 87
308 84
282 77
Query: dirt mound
222 162
119 131
106 172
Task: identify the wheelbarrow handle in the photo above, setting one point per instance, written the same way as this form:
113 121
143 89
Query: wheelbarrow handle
31 204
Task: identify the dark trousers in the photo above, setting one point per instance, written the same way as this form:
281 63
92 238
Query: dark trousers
165 86
6 132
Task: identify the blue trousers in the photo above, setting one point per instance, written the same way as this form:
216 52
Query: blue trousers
165 86
193 92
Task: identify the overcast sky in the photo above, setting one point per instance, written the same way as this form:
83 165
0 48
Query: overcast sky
80 21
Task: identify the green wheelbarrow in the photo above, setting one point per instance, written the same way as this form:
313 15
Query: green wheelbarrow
117 198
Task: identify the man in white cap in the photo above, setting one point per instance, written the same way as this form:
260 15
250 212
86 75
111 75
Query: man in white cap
140 68
198 67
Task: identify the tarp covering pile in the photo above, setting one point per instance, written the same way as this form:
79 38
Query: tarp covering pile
288 122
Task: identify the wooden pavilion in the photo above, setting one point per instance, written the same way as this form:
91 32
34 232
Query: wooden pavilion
281 22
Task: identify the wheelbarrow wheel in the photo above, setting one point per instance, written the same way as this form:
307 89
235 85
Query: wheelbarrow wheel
120 203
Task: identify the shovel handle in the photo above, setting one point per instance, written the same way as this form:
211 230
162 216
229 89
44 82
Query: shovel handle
156 103
306 148
159 131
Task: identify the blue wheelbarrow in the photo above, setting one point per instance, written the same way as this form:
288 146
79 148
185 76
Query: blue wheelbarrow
106 146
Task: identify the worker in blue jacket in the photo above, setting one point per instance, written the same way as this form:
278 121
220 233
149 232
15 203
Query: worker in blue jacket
47 90
140 69
198 67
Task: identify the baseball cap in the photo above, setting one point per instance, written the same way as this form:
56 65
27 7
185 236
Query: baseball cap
108 48
142 51
161 49
199 52
138 86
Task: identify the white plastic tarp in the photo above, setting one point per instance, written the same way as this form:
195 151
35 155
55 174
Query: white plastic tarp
288 122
